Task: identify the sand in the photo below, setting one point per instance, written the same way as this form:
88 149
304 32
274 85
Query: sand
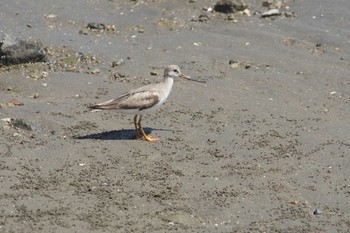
262 146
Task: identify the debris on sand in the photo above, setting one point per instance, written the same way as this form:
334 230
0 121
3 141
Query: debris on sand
238 64
18 123
273 4
117 63
201 18
15 51
235 64
276 8
14 102
97 27
317 211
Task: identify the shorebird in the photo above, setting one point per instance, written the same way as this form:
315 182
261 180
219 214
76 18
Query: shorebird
144 100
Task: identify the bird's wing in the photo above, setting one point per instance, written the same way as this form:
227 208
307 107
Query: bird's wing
135 99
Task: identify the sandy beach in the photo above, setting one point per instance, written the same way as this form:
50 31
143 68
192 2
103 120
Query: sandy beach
262 146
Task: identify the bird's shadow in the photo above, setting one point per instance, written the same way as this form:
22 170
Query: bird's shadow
124 134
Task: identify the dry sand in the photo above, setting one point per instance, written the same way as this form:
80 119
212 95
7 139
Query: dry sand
258 148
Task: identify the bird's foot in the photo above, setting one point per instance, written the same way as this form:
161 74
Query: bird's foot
149 138
145 136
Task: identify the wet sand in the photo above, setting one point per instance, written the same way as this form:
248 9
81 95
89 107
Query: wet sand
263 146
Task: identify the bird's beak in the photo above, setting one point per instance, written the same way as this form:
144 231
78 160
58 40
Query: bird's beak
189 78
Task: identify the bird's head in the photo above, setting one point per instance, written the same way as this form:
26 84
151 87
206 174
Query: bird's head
173 71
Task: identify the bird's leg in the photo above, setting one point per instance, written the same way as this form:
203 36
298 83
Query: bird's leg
136 128
145 136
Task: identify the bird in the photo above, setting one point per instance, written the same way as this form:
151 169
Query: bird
145 99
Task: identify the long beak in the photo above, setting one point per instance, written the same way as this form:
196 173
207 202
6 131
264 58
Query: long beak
191 79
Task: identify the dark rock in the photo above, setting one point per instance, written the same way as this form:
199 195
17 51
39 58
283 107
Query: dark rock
97 26
228 7
203 17
16 51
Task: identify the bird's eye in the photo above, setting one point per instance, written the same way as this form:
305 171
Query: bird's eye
176 71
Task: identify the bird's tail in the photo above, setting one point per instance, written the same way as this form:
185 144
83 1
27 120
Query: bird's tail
95 108
108 105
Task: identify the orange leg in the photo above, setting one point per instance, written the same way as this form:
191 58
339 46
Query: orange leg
145 136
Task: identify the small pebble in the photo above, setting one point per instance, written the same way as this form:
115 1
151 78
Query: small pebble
203 17
84 31
50 16
269 13
35 96
294 202
95 71
317 211
231 17
247 12
153 72
117 63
